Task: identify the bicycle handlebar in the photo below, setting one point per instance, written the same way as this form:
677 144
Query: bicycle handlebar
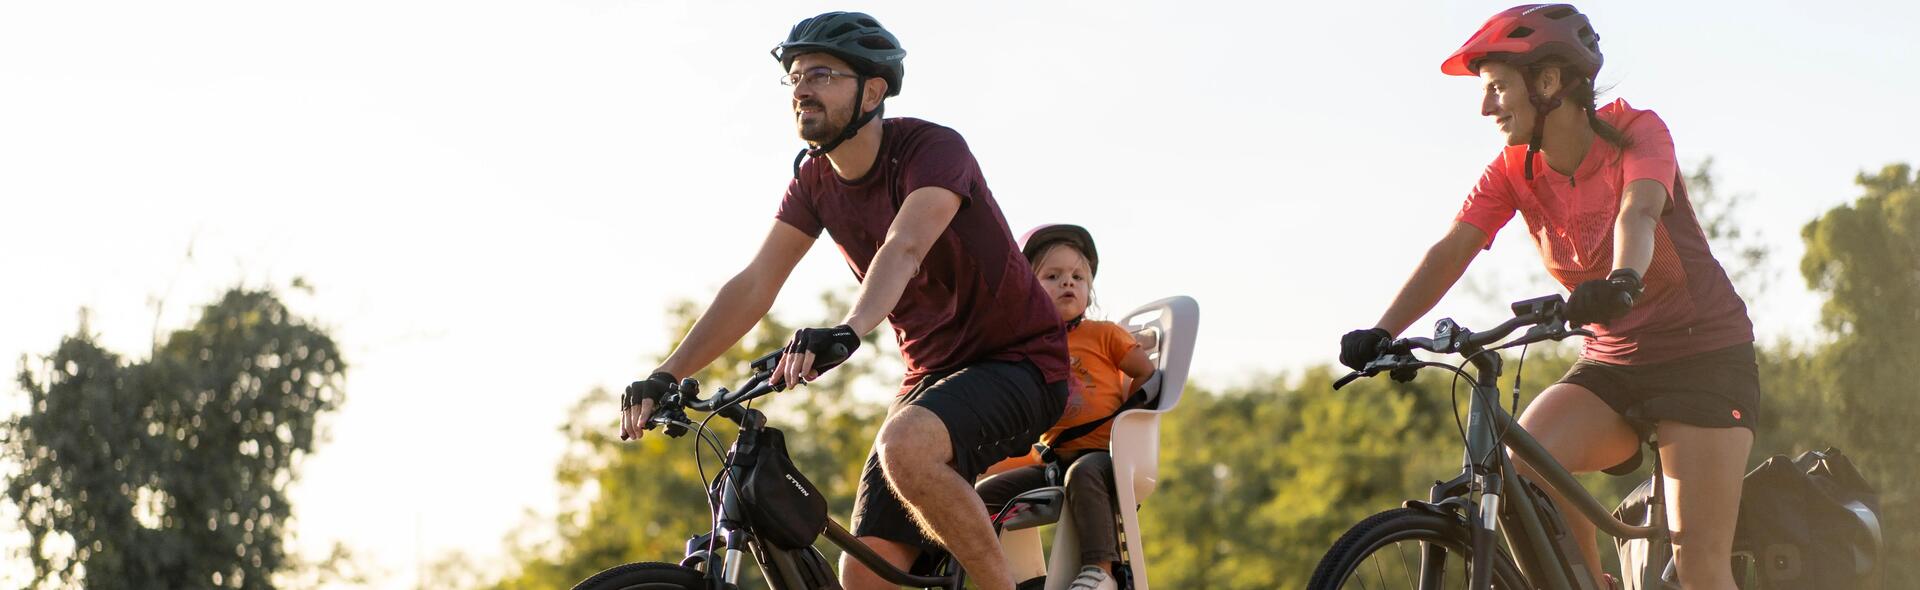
1545 314
671 411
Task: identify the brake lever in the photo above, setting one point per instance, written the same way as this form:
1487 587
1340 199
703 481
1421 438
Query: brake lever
1384 364
662 411
671 416
676 427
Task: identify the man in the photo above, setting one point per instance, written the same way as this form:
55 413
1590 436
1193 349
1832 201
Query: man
984 349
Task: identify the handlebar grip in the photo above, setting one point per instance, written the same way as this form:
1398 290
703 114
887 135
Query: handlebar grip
1343 381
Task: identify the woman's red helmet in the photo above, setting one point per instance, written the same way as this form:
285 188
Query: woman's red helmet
1529 33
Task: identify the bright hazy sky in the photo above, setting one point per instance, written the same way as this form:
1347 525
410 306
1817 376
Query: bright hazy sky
497 200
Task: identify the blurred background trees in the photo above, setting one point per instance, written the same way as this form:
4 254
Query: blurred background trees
1858 391
171 472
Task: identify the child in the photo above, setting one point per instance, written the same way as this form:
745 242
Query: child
1106 362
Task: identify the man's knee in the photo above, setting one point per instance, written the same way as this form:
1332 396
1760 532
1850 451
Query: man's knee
913 439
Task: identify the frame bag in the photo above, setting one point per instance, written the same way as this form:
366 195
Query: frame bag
786 510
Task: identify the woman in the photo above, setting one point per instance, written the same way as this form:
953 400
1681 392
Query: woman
1604 202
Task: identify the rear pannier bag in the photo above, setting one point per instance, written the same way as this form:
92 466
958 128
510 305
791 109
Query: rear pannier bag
1810 522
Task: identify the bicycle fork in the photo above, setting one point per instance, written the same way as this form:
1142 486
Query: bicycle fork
1485 525
1484 519
731 537
732 519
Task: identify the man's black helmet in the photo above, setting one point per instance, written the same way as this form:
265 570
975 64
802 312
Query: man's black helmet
851 36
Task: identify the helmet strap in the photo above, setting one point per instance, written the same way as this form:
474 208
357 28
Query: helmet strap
853 127
1541 106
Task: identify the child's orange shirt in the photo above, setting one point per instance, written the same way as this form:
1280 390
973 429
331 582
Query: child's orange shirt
1095 349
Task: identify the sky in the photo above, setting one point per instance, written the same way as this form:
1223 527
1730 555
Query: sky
496 202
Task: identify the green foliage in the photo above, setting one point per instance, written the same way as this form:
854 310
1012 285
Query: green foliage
172 472
1866 257
623 501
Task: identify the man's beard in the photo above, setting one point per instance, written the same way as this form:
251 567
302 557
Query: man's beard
822 129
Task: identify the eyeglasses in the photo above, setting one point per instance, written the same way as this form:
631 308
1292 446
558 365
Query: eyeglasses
814 78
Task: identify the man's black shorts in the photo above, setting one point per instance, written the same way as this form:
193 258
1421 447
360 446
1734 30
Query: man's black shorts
1718 389
993 410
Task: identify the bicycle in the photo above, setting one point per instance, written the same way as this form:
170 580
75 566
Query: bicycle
714 560
1462 515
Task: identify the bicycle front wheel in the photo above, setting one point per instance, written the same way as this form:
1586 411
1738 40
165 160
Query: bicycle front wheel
645 576
1387 549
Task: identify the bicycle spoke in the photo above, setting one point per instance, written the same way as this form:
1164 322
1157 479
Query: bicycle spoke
1370 574
1402 552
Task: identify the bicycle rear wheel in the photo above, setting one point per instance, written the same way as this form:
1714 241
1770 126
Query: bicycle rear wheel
1385 550
645 576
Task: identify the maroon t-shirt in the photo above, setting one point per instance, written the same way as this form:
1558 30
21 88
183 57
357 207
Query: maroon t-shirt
974 298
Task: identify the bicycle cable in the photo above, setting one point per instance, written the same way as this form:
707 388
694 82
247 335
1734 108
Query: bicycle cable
1519 369
713 443
712 440
713 508
1458 371
1454 392
712 489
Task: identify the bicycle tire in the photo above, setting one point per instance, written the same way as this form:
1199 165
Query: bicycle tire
1388 529
645 576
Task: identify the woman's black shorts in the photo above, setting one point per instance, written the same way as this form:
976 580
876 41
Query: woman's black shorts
1718 389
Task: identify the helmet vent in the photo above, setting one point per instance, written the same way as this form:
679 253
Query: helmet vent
1520 33
1561 12
1586 34
876 42
843 29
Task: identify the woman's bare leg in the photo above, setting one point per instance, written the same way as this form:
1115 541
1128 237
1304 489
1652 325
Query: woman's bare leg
1584 435
1705 467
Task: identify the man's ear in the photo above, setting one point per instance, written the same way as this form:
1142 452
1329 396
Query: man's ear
874 92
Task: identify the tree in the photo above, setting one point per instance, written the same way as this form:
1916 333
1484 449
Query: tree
172 472
1865 256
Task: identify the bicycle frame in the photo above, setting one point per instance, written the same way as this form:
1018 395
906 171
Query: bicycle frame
783 568
1544 562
